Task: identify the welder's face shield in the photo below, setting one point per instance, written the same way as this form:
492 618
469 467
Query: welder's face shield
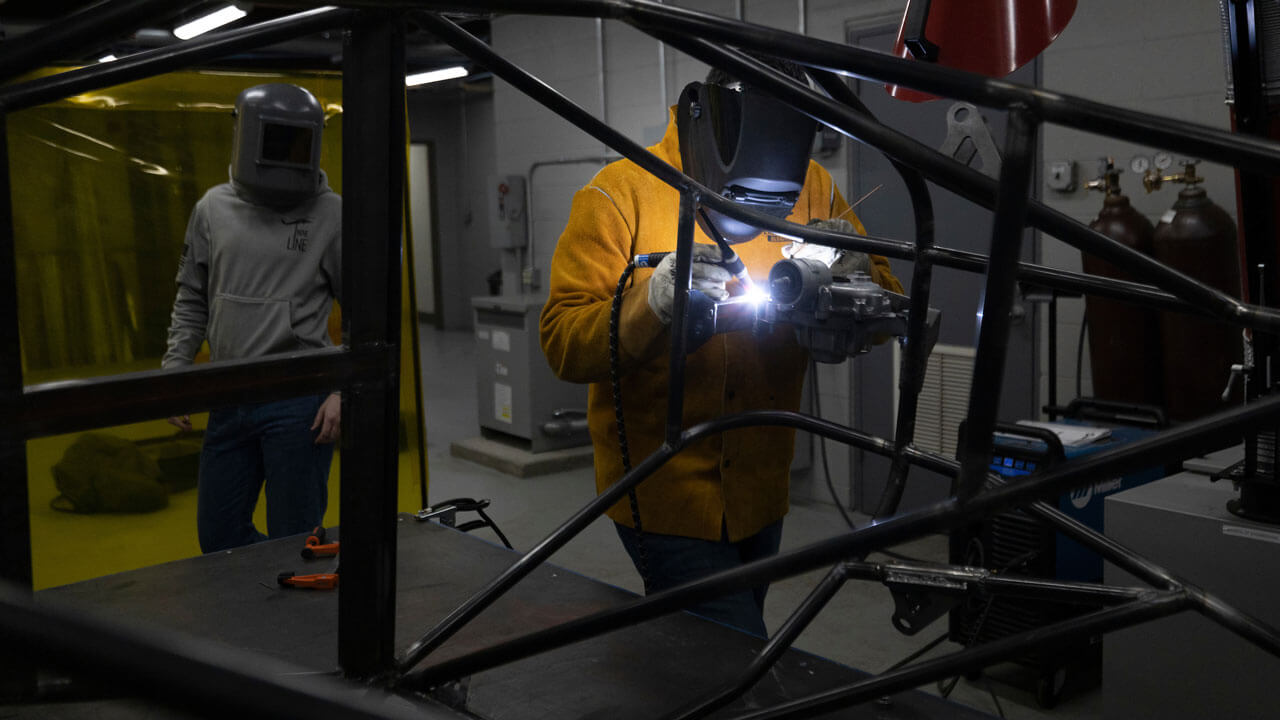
276 151
746 146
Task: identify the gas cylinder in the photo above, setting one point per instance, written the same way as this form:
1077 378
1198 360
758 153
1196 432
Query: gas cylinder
1198 238
1124 338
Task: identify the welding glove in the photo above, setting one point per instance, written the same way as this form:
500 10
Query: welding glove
708 277
843 263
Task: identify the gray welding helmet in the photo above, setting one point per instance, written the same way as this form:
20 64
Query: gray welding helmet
275 158
745 145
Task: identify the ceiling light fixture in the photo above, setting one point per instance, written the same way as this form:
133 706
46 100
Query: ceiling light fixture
213 20
431 76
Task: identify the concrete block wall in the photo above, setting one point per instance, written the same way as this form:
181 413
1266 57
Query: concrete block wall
1158 56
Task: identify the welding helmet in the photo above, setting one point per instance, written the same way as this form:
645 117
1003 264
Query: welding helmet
275 155
746 146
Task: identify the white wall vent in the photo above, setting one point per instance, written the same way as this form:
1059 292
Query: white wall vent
944 398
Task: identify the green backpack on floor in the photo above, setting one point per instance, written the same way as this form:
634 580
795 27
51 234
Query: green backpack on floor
106 474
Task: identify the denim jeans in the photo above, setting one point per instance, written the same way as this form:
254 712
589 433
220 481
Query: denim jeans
671 560
247 446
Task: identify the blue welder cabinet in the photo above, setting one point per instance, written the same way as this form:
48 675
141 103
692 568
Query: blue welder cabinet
1017 543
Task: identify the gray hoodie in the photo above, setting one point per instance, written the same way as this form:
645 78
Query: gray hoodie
254 280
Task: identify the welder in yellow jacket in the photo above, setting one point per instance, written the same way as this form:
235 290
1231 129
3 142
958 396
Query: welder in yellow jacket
720 502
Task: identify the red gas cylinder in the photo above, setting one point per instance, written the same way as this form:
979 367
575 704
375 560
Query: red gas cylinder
1198 238
1124 339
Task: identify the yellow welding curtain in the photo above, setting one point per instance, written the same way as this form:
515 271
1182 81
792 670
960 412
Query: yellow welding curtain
103 184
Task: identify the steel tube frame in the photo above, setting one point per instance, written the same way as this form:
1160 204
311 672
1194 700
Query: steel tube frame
203 678
1030 107
679 316
1157 606
1058 108
916 359
995 310
18 678
373 160
372 302
965 181
969 184
75 405
980 581
1177 443
769 655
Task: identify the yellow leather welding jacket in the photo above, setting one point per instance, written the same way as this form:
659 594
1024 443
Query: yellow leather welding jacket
737 480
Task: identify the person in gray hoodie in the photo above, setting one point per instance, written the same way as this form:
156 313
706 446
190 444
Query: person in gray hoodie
261 266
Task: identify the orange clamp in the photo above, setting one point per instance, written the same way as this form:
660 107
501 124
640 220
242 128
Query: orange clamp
317 547
318 581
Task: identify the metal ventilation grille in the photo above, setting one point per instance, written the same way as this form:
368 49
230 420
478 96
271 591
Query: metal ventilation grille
944 397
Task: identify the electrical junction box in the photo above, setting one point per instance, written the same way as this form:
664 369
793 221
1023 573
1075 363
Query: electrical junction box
1061 175
507 214
519 397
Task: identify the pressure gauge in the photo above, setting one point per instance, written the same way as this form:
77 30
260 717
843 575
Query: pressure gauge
1163 160
1139 163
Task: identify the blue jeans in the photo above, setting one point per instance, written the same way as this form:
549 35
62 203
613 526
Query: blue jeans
247 446
672 560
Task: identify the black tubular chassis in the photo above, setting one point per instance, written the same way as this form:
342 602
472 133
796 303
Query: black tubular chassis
367 365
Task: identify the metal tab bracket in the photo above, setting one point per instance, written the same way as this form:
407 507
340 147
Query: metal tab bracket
968 136
922 596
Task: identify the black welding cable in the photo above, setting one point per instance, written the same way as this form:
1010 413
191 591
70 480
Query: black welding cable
615 380
489 522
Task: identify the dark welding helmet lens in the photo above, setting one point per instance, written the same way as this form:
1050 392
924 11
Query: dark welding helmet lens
288 145
747 147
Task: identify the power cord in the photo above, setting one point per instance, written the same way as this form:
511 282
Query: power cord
826 470
822 445
945 687
446 512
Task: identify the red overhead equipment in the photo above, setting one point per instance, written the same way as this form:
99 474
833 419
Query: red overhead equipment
989 37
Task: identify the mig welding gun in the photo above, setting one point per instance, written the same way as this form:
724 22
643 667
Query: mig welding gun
834 316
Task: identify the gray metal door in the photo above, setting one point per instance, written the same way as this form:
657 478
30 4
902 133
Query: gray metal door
960 224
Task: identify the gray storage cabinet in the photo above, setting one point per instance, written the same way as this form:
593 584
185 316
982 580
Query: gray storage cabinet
517 393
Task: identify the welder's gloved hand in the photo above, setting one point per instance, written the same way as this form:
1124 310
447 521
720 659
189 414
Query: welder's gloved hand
707 277
842 262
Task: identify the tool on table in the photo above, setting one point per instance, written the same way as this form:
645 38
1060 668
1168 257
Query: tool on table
315 581
317 545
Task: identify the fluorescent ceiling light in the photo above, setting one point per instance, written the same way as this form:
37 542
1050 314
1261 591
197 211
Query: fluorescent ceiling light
215 19
107 58
431 76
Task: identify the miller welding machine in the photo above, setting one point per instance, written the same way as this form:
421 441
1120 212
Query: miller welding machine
1019 544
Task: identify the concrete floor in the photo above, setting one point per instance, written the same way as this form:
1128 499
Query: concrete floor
853 629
